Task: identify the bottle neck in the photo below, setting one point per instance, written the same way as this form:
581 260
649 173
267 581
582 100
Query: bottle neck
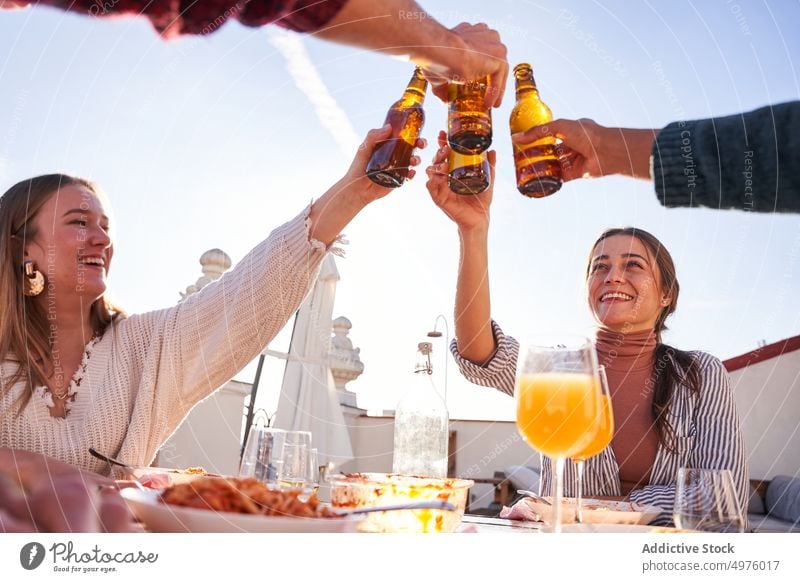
526 84
527 90
415 91
413 96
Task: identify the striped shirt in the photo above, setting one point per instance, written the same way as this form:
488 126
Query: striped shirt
707 433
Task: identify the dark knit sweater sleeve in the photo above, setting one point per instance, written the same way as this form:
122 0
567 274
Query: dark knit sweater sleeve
173 18
748 161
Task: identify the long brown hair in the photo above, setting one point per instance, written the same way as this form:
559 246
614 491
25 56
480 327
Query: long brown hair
672 366
24 330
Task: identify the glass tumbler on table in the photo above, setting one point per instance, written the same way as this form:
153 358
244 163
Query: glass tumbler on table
705 500
263 454
296 472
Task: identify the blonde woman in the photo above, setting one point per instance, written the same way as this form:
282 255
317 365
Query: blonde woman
75 372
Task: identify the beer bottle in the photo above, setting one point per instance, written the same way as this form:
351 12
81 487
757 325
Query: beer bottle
469 121
538 169
391 159
468 174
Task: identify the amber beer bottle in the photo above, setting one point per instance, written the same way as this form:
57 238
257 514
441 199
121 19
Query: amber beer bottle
538 169
468 174
391 159
469 121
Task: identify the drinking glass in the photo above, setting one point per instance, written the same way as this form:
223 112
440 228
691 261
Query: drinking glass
705 500
263 454
602 438
558 409
296 470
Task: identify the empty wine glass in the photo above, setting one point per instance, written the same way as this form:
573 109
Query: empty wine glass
705 500
558 409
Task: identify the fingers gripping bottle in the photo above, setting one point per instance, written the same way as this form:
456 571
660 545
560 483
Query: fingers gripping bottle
391 159
537 165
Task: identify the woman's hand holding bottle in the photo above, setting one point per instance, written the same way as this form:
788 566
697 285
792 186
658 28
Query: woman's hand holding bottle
468 212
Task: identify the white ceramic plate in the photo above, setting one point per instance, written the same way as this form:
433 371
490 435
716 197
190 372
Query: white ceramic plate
161 517
601 511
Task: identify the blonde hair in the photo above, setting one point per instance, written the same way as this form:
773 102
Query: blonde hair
24 331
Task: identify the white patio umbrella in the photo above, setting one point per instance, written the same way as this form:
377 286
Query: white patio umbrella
308 398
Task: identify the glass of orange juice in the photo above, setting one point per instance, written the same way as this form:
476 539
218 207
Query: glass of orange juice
602 438
558 404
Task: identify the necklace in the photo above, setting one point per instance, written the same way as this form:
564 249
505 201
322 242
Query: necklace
71 392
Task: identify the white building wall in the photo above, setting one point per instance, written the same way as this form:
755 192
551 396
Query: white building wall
768 399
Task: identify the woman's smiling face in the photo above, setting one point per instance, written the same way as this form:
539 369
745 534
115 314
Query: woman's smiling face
71 244
624 287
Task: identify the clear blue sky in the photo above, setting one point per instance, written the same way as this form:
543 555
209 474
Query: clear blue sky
211 142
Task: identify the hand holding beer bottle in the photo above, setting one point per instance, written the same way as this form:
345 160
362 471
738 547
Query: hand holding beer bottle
590 150
390 161
536 161
468 212
356 178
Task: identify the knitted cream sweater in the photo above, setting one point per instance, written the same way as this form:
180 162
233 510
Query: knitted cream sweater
142 377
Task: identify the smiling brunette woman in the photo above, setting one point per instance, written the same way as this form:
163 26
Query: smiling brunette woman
672 408
75 372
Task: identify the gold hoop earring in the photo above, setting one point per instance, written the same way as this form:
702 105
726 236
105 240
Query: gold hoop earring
33 282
